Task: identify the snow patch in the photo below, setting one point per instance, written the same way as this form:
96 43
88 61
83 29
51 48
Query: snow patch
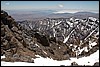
66 11
59 47
37 45
94 19
58 23
65 40
2 57
44 52
92 44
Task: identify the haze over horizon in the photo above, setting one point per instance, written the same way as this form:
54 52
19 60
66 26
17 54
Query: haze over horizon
60 6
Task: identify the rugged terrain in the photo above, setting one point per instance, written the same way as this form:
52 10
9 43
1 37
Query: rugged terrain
56 38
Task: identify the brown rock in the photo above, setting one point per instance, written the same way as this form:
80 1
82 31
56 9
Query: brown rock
15 29
19 32
19 37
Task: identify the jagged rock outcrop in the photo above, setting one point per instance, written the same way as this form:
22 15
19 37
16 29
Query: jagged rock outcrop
12 42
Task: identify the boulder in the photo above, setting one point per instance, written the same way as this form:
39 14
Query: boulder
96 64
74 64
14 29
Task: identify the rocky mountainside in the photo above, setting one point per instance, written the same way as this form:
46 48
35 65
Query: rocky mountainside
13 43
56 38
78 34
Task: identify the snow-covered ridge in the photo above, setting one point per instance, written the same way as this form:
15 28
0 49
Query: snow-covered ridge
73 11
68 30
66 11
50 26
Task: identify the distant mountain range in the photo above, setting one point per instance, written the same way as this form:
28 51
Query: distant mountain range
77 15
36 14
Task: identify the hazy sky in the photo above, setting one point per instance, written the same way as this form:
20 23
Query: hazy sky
52 5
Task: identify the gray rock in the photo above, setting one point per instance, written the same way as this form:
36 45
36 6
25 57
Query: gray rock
74 64
96 64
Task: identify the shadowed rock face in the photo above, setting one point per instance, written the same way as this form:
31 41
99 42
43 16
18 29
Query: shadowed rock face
22 41
42 39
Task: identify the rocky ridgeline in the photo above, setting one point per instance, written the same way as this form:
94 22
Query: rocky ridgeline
18 43
12 41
